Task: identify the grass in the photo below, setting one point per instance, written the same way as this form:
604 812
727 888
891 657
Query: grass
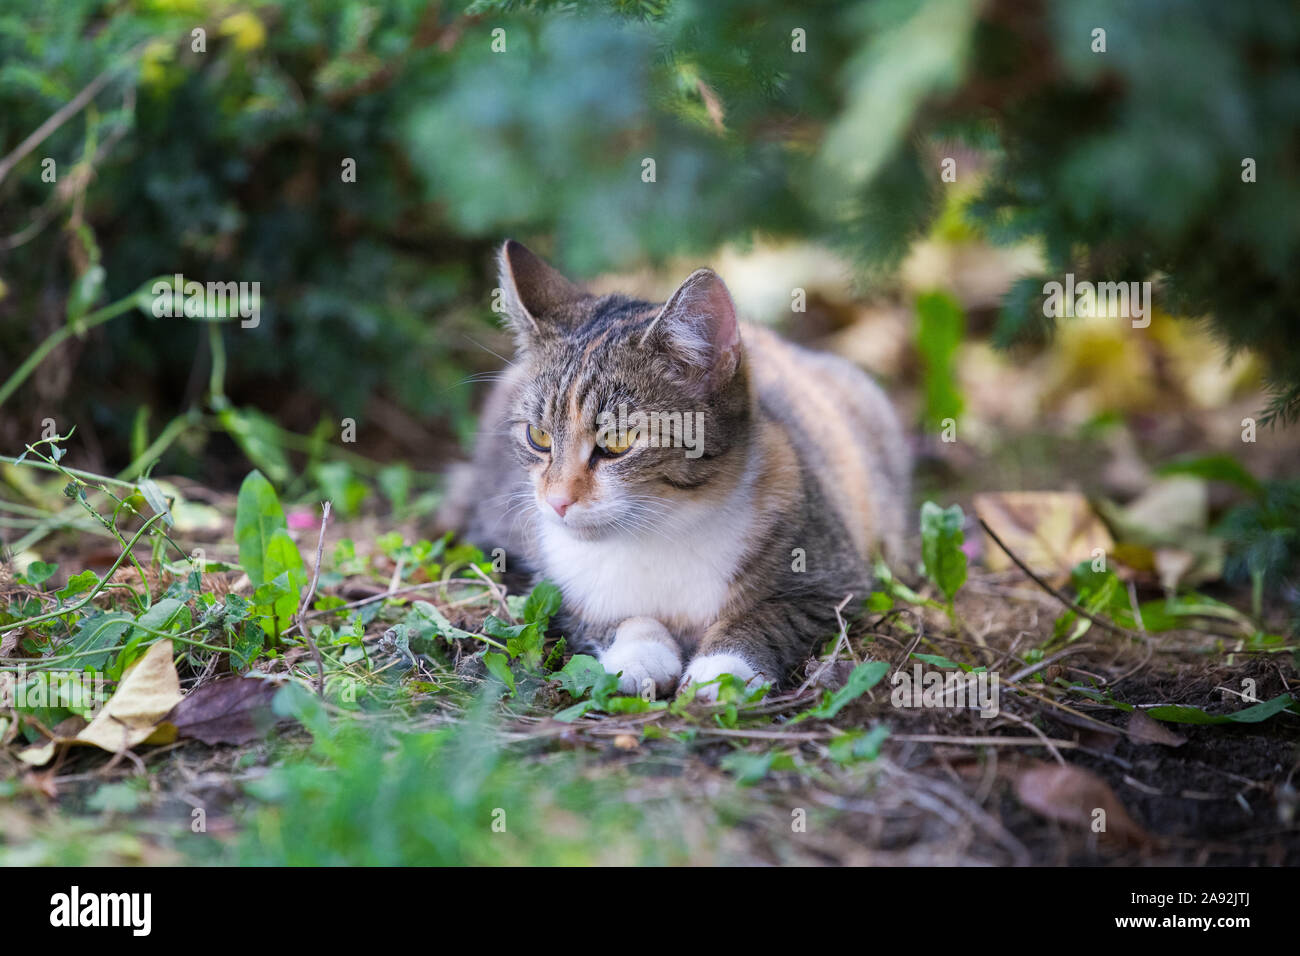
426 715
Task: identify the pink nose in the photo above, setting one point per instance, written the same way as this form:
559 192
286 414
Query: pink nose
560 503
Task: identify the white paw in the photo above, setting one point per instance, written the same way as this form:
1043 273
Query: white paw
643 654
709 666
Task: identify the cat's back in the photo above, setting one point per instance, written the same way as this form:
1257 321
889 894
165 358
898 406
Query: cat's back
844 430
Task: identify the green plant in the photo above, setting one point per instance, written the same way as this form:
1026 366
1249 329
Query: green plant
268 555
942 557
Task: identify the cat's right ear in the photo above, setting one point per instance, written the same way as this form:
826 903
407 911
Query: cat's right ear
534 294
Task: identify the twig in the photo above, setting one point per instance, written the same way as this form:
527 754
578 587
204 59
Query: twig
306 603
1100 621
385 595
1046 662
59 117
984 741
835 651
497 591
1146 638
1041 736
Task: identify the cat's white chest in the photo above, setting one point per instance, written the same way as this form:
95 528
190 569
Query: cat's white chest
680 577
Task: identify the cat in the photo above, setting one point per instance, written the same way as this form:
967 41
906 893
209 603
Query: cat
704 493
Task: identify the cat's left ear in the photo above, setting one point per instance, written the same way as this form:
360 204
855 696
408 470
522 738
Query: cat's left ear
697 327
536 296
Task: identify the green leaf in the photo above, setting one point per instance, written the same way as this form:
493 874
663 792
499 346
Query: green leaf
897 590
498 666
258 437
880 602
341 486
1178 714
78 584
86 290
543 603
748 768
631 705
245 644
424 616
268 555
258 516
1223 468
856 745
284 561
583 674
941 553
937 660
395 483
38 572
570 714
863 677
156 499
101 630
164 616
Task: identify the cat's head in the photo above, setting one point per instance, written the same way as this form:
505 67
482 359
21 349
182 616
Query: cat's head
629 412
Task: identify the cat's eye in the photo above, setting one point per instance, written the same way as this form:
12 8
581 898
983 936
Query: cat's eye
615 445
539 439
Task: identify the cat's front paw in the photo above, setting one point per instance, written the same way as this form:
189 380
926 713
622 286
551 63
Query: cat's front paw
643 654
708 667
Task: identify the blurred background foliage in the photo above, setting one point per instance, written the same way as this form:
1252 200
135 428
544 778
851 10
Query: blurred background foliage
818 128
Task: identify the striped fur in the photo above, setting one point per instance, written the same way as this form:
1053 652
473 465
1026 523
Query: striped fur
733 559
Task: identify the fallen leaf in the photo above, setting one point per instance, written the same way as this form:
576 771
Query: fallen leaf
229 710
1142 729
1051 531
1168 524
38 755
1074 796
148 690
1174 565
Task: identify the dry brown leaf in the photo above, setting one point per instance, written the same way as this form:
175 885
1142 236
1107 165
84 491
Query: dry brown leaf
1074 796
1142 729
148 690
1051 531
230 710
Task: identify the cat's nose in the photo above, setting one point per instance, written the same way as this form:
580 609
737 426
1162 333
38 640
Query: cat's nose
559 502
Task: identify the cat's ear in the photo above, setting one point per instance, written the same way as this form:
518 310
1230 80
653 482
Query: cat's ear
535 295
697 329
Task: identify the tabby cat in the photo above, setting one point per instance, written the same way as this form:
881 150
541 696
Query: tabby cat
704 493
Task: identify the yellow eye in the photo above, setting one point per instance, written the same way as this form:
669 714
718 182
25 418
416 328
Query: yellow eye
538 438
614 443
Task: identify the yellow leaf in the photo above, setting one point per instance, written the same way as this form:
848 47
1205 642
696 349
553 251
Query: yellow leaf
1051 531
38 755
149 689
133 716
